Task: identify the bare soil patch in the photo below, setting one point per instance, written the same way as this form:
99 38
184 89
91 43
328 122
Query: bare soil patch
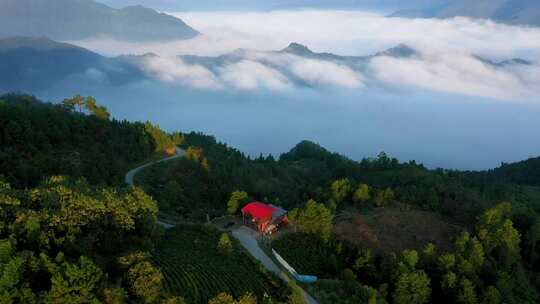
393 229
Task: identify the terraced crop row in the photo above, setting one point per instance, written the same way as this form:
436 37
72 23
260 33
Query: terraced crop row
197 271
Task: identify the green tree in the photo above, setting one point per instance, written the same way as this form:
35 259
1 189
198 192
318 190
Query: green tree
222 298
76 101
296 296
364 261
197 155
76 283
492 296
340 190
467 294
163 143
410 258
498 235
315 219
145 281
446 262
11 277
247 298
449 282
236 200
384 197
225 298
412 288
225 244
470 254
362 195
115 295
96 110
348 275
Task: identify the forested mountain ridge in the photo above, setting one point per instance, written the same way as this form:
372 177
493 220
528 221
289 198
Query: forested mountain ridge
38 63
82 19
308 170
40 140
85 237
526 172
72 232
492 257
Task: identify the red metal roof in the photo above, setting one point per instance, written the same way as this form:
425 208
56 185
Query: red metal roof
258 210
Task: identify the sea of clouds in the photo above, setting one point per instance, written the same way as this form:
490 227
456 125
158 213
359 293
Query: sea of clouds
444 107
448 63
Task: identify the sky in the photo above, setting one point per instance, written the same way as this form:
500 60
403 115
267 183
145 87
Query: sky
444 108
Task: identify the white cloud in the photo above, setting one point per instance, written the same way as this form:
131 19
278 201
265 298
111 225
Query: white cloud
340 32
251 75
173 70
319 72
448 64
454 73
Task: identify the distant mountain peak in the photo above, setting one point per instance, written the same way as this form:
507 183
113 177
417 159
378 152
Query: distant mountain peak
504 63
83 19
400 50
297 48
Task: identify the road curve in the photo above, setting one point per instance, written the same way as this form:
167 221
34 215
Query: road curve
131 174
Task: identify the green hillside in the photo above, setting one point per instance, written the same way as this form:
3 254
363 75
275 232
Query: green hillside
376 230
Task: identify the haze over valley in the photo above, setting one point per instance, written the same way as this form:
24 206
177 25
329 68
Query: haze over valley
347 85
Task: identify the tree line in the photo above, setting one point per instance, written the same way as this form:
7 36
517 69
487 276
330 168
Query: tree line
75 137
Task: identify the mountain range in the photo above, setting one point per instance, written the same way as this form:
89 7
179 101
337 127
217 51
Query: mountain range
517 12
82 19
38 63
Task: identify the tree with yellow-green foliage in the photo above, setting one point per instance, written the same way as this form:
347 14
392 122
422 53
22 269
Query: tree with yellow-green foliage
64 237
362 195
412 288
314 219
498 235
89 103
146 281
197 155
383 197
225 298
225 245
237 199
163 142
296 296
76 283
341 189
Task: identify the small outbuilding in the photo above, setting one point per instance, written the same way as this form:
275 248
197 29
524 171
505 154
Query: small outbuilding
263 217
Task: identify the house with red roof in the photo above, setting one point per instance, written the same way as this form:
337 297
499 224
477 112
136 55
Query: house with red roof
263 217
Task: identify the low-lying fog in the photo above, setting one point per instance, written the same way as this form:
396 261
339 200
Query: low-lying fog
445 109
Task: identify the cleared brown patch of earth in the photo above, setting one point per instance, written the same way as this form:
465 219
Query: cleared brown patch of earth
393 229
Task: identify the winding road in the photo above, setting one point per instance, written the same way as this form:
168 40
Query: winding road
131 174
246 236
